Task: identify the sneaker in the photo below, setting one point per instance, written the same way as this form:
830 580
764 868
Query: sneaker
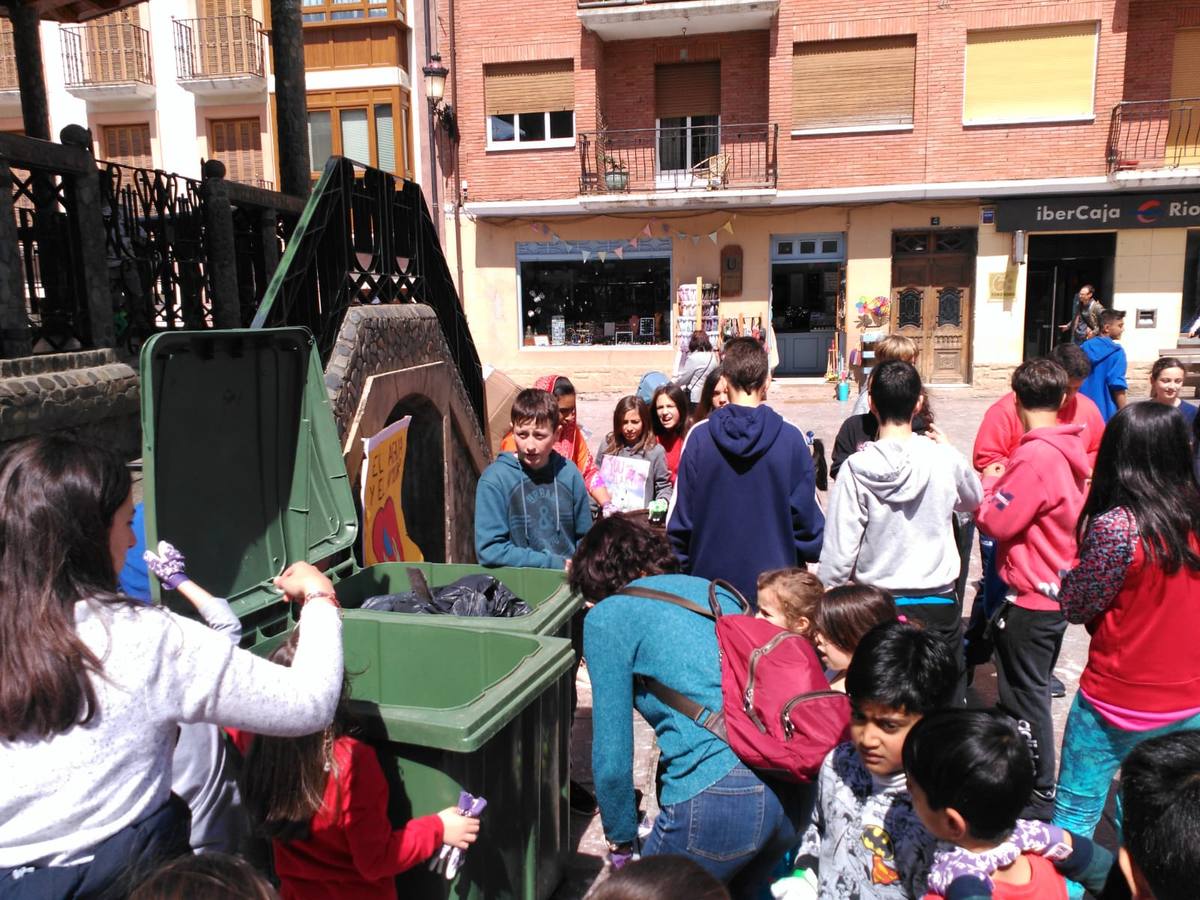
1058 690
582 800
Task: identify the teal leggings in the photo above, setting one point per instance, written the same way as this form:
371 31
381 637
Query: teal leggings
1092 752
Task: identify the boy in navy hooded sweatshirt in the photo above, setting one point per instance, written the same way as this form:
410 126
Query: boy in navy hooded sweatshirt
745 497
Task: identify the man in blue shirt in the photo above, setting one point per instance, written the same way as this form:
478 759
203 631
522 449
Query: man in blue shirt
1106 385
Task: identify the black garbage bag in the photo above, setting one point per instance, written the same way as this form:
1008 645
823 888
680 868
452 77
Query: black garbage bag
472 595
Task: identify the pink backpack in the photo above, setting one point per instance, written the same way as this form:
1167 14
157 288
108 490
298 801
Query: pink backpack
780 716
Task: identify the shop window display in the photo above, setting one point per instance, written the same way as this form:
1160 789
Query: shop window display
615 301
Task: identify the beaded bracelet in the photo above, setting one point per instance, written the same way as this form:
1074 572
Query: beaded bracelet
328 595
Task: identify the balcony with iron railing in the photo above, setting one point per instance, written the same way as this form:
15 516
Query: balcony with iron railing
617 20
1148 135
716 159
220 55
109 62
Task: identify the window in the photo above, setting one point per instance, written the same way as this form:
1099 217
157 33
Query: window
360 125
687 102
854 85
128 145
531 103
238 144
807 247
317 11
567 300
1043 74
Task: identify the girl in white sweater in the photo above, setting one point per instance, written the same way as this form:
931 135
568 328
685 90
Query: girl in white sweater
92 685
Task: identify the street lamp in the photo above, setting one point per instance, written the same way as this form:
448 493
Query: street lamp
435 92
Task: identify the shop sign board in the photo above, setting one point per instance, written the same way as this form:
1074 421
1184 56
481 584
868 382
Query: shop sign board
1098 212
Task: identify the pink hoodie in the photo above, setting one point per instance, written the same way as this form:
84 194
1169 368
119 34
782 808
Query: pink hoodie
1031 510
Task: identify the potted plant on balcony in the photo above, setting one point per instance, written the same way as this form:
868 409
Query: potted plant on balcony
616 172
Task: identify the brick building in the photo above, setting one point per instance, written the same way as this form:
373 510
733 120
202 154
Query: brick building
974 162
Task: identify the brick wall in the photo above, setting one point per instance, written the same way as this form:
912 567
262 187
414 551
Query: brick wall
617 77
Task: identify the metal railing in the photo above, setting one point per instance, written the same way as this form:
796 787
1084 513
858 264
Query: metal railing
218 47
366 236
98 254
1154 134
708 157
8 61
116 53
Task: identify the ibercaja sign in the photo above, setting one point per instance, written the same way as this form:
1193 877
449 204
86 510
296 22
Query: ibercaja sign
1107 212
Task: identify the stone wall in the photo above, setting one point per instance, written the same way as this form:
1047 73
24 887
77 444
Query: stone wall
392 360
89 394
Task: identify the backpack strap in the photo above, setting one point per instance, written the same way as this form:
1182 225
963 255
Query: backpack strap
713 722
652 594
734 592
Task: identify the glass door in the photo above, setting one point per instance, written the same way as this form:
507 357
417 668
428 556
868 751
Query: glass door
683 143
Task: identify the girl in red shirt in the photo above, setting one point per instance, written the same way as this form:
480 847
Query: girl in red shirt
670 406
323 800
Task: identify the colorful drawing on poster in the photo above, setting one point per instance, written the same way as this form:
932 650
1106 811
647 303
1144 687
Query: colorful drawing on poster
626 479
385 536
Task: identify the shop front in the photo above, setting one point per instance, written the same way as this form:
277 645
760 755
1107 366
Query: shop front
1139 251
808 273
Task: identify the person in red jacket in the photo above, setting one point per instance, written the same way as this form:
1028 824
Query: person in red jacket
999 435
1031 511
1137 588
323 800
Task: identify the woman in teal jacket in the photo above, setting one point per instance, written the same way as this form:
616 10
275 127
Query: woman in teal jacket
714 809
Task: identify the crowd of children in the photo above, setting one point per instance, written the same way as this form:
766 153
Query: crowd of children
1088 510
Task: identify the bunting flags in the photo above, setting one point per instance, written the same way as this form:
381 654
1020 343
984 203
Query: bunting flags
647 230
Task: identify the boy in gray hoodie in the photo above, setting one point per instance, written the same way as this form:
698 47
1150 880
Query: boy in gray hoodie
889 518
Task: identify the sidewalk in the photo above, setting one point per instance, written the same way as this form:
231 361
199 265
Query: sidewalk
958 412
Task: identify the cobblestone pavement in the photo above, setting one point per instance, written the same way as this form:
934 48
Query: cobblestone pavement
810 407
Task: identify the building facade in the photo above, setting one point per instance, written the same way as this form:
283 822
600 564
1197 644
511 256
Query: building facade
972 163
166 84
161 85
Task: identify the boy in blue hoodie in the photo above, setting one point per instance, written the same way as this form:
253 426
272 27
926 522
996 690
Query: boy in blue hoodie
531 507
745 497
1106 385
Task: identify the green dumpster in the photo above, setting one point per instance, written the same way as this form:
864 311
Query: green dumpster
547 592
243 468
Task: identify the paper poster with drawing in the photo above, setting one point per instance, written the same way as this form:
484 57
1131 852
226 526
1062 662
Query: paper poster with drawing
625 478
385 535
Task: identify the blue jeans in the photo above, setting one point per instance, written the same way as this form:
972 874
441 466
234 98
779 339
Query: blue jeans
1092 751
737 829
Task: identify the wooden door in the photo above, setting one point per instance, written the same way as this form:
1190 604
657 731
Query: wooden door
226 34
932 277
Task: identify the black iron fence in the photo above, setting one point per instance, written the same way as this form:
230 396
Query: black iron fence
367 237
704 157
97 254
218 47
1154 134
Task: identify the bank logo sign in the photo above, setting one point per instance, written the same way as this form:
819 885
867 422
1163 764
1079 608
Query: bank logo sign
1098 212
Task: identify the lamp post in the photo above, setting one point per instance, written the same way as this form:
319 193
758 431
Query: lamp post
435 93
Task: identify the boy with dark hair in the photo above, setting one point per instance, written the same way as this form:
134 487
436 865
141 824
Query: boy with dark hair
889 515
1031 511
998 437
744 456
1160 795
531 506
969 773
1106 385
866 840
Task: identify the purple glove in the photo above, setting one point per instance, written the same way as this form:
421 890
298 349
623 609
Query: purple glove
167 566
619 860
1041 838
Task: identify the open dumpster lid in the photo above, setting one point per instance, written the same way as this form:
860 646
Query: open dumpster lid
243 468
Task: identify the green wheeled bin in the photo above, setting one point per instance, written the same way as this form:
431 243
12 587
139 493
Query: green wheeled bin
554 604
243 470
